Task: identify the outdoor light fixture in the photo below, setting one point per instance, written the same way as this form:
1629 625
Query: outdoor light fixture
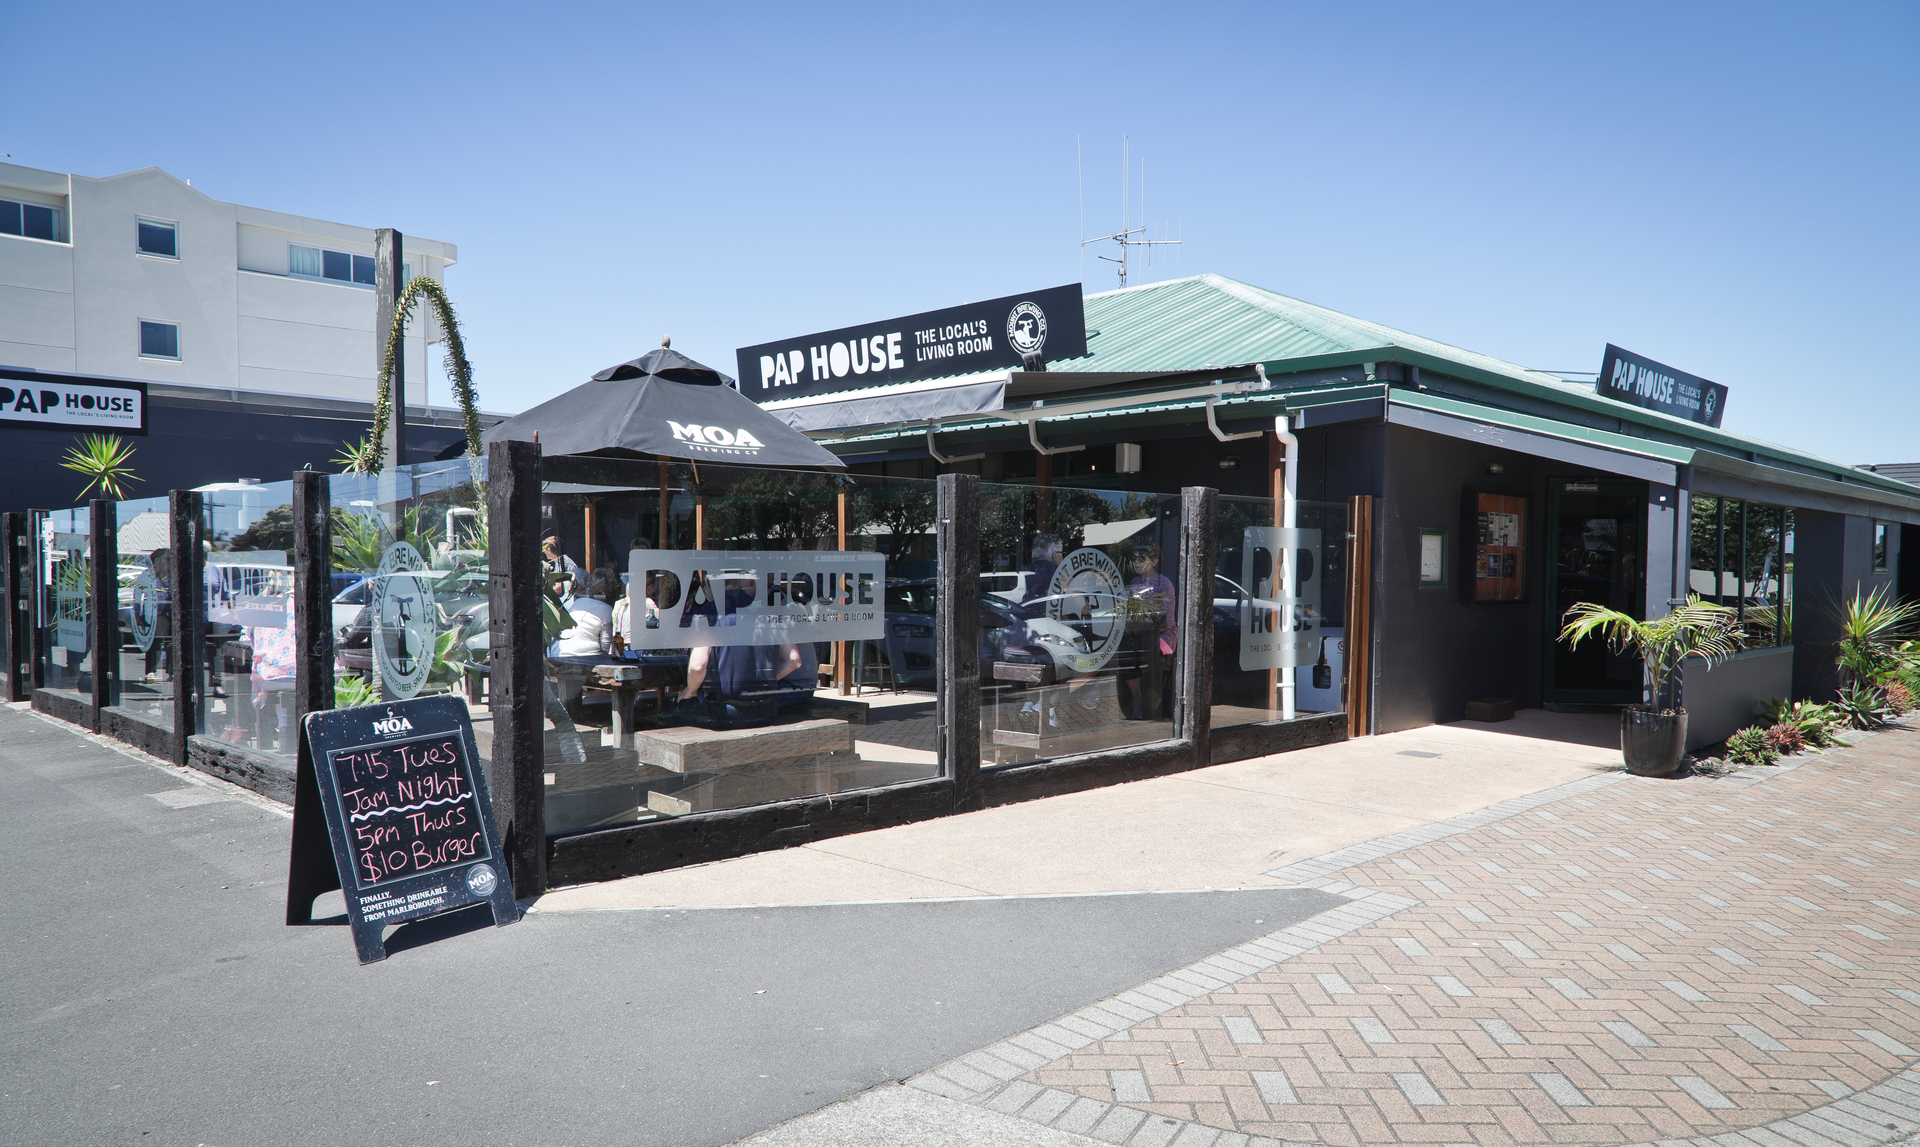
1229 463
1496 468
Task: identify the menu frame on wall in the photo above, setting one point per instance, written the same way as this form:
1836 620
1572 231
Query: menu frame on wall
1494 556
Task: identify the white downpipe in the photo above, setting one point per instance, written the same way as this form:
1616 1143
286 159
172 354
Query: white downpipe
1289 518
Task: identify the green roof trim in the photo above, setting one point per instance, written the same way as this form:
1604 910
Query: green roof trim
1606 440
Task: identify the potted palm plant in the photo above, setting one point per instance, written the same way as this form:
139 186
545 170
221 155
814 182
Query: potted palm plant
1653 737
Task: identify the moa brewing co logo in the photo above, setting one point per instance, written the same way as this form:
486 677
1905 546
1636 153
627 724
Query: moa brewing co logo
1027 328
717 439
392 725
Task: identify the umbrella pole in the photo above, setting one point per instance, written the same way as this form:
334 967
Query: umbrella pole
842 669
664 534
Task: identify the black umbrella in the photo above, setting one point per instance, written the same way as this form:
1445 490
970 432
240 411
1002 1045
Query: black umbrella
663 403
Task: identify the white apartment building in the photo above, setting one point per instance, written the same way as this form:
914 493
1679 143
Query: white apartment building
139 276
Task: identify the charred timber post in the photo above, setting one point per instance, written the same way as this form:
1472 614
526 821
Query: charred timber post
957 531
1199 534
37 652
102 520
312 595
13 535
189 596
514 654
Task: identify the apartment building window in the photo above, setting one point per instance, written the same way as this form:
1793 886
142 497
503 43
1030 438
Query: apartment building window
31 220
339 266
157 237
159 340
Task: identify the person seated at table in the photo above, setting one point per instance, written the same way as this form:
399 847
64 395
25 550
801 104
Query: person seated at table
743 686
592 620
623 621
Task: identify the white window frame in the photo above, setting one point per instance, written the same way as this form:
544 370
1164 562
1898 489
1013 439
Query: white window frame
177 356
155 220
62 234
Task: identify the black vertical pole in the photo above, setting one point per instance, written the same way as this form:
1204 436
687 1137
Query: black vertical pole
189 609
312 595
515 656
13 535
1199 537
957 629
102 519
310 867
36 601
387 285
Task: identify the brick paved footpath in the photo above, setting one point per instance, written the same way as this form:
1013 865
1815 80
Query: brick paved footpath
1616 961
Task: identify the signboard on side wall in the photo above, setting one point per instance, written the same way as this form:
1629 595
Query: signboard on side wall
1047 325
1496 527
1630 378
34 401
1280 616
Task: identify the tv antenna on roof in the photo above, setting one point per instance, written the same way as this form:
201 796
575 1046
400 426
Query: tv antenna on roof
1125 236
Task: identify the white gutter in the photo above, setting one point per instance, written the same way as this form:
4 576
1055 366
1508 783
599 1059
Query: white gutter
1289 518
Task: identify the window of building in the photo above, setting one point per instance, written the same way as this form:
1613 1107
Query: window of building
1880 532
159 340
31 220
1743 559
157 237
339 266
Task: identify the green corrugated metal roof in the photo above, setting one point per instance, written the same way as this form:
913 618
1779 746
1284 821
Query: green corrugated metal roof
1551 428
1210 320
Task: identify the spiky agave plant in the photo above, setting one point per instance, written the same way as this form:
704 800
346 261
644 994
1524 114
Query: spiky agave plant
1696 629
104 460
362 457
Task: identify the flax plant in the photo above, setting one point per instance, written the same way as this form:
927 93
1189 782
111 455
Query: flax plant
1696 629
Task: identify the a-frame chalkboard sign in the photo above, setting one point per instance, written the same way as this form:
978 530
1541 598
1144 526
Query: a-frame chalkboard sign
391 806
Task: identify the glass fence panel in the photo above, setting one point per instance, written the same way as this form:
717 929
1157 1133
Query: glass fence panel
246 647
712 645
1079 641
144 540
1279 611
65 570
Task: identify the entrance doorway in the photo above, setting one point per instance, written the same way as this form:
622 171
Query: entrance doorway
1597 530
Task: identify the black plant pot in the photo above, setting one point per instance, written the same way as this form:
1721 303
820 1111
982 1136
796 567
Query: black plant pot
1654 743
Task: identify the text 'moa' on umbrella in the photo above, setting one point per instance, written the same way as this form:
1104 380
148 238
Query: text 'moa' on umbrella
664 403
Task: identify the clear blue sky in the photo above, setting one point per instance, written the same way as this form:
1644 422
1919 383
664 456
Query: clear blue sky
1727 188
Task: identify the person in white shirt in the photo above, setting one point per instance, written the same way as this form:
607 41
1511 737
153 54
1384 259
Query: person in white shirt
592 620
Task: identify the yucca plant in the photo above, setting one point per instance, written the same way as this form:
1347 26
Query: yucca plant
1873 627
104 461
363 457
1696 629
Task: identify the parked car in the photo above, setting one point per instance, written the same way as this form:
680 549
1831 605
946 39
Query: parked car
1008 631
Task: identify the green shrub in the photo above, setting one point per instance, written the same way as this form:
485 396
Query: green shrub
1749 747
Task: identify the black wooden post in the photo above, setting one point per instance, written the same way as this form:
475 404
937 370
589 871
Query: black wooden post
310 868
957 631
36 602
388 282
312 596
515 656
103 521
189 596
1199 538
13 569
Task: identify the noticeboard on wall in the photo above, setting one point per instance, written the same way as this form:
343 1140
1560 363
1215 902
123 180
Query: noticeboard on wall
1496 531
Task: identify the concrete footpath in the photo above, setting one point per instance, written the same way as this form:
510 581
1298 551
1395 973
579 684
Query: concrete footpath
1480 935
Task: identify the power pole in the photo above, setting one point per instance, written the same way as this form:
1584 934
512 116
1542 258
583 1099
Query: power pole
387 285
